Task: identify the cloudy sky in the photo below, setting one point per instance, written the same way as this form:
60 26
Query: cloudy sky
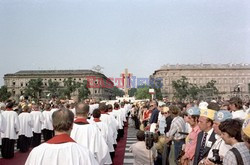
141 35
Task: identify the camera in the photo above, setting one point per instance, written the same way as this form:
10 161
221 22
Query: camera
149 139
216 157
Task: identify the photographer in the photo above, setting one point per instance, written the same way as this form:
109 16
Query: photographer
219 146
140 152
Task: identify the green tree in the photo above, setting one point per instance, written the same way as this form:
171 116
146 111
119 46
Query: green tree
53 88
4 94
132 92
142 92
34 88
83 91
118 92
209 90
181 87
193 91
70 86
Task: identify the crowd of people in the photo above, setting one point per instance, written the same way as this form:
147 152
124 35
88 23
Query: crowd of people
62 132
215 132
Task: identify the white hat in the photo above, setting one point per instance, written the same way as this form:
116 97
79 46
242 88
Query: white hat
203 105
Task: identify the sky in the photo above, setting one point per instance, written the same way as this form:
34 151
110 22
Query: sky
141 35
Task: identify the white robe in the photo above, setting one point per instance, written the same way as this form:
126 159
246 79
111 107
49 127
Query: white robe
111 122
119 116
107 134
12 125
47 123
89 136
69 153
26 124
2 126
38 121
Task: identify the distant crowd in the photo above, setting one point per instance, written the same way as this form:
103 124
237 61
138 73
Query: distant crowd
67 132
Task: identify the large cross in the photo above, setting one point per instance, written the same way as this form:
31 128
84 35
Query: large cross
126 81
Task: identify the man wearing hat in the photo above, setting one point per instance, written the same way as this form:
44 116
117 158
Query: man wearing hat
246 135
219 145
206 138
191 140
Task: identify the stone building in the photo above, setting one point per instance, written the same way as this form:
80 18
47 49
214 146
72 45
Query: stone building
231 79
17 82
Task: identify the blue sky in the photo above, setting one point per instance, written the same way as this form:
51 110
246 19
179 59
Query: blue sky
141 35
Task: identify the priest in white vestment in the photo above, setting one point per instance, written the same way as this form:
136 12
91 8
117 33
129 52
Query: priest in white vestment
61 149
89 135
106 131
2 122
38 121
47 127
11 132
25 133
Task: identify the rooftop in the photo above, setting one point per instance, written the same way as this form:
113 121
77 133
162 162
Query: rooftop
206 66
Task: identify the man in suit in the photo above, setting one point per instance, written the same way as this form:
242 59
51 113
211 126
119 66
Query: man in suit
206 138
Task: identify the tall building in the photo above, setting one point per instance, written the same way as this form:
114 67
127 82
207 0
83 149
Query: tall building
17 82
231 79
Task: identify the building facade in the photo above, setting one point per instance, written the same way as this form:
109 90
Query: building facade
231 79
17 82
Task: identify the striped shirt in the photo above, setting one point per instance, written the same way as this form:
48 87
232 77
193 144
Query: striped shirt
230 158
177 125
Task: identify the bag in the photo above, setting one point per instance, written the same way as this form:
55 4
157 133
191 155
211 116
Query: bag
238 156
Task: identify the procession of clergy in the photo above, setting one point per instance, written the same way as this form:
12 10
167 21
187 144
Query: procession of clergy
83 133
87 132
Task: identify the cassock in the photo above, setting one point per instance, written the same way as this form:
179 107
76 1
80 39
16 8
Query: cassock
25 133
90 136
10 134
38 121
47 127
60 150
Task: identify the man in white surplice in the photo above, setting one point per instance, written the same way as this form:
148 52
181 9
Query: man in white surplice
89 135
61 149
11 133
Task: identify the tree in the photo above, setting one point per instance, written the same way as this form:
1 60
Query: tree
181 87
193 91
209 90
4 94
132 92
70 87
53 88
83 91
142 92
118 92
34 88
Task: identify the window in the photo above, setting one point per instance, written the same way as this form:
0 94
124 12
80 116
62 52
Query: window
21 84
13 83
60 79
45 84
95 91
55 79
